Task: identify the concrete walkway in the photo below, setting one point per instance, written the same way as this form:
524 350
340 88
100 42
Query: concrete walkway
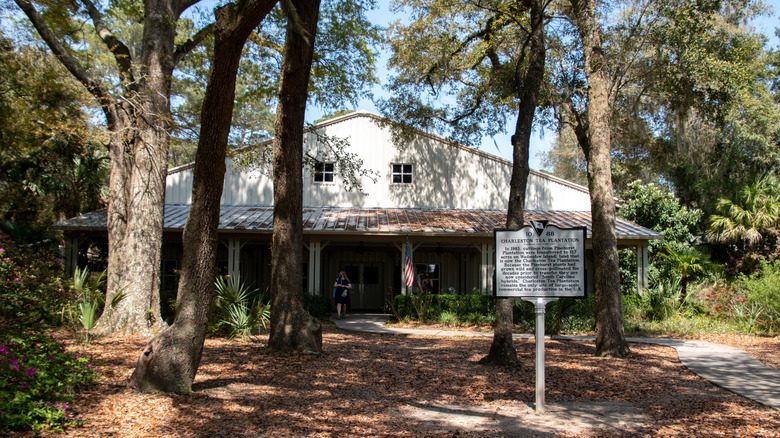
727 367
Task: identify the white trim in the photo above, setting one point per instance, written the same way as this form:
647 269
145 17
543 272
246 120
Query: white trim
486 269
315 268
642 268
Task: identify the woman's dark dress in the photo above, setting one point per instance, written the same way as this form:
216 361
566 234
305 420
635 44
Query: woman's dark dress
339 290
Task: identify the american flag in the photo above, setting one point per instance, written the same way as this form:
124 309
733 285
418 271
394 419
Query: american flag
409 272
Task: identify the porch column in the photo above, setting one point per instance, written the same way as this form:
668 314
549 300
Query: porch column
234 257
486 269
315 268
71 255
642 266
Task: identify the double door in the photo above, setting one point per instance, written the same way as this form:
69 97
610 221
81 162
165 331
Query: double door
367 283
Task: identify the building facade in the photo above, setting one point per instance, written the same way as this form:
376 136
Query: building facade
441 199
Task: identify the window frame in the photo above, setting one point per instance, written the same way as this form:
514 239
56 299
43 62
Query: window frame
323 172
402 173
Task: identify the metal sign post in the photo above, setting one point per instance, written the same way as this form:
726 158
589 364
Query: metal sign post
539 305
540 264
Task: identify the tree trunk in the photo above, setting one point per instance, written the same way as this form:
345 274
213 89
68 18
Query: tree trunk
138 211
610 335
502 350
139 123
170 360
292 328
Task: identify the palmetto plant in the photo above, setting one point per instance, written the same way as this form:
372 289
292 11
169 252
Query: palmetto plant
755 209
662 300
689 264
90 297
232 301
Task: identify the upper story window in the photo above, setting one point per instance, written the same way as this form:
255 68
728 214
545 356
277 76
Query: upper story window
324 172
402 174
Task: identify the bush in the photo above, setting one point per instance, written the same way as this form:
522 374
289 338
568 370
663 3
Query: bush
650 206
661 301
37 383
565 315
237 310
760 306
31 291
318 306
427 307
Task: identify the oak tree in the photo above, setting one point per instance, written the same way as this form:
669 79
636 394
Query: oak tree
462 67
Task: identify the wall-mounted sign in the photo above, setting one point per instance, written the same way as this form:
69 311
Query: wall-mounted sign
540 260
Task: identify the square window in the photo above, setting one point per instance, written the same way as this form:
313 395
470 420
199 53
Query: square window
324 172
402 174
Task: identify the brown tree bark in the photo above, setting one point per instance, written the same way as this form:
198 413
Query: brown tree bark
170 360
610 335
292 328
502 350
139 124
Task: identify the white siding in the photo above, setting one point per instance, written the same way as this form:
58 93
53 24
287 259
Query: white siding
445 176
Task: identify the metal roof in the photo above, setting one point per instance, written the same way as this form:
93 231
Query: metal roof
370 220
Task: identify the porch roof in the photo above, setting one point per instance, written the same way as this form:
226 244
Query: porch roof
355 220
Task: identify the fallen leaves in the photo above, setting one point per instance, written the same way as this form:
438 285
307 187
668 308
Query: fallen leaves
389 385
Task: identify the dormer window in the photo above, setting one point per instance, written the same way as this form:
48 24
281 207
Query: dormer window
324 172
402 174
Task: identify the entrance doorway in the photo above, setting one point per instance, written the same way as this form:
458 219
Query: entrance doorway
366 281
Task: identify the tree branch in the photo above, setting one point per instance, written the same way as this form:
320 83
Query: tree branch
120 51
182 5
183 49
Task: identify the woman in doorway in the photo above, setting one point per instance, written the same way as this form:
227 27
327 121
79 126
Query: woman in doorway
341 292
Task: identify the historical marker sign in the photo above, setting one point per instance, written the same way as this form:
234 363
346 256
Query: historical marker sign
540 263
540 260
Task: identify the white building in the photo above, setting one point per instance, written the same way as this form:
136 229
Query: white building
443 198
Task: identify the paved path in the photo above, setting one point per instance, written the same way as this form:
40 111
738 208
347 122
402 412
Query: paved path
727 367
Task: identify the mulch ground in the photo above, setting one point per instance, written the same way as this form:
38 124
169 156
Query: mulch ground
372 385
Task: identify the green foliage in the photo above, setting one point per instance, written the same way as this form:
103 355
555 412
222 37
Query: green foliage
342 73
318 306
650 206
689 264
707 104
51 159
565 315
747 226
653 207
760 309
661 301
429 307
90 301
238 308
37 383
31 292
458 66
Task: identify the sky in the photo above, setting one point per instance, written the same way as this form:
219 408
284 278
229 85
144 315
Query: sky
500 145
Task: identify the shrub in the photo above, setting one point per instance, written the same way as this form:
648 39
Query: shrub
650 206
565 315
318 306
760 306
89 299
31 291
237 308
660 302
37 383
448 317
426 307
